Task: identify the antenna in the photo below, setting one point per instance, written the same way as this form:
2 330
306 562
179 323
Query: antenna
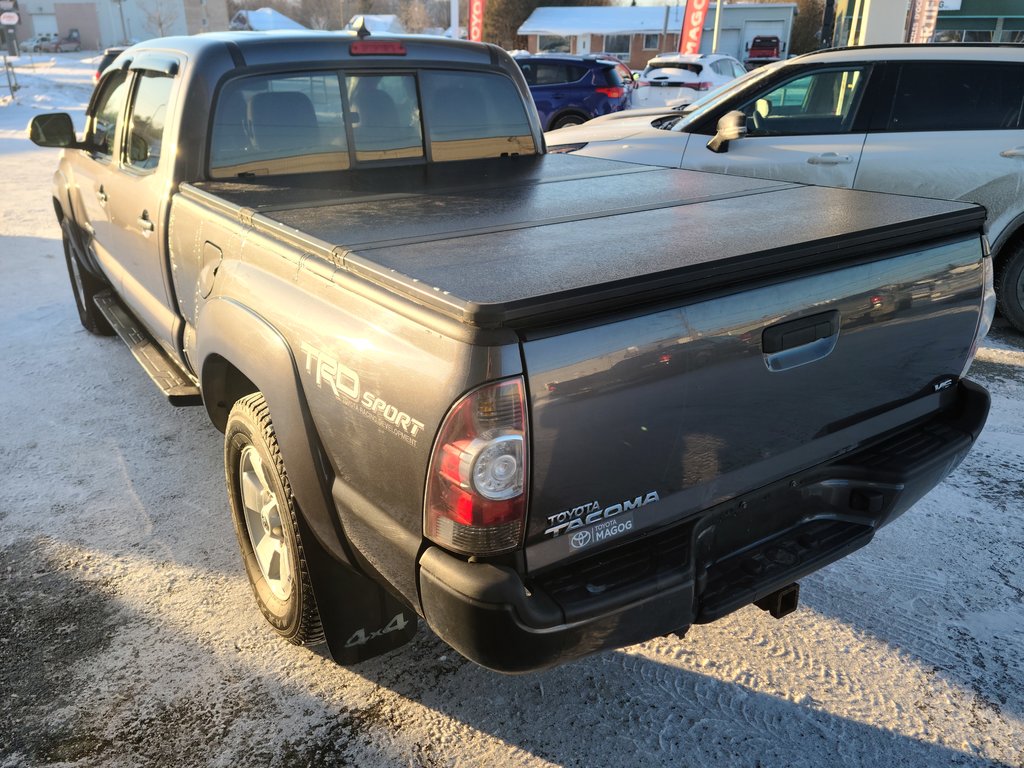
361 29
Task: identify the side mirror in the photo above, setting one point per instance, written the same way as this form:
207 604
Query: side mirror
731 126
53 130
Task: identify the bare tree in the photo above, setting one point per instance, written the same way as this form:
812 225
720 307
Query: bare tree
160 16
414 16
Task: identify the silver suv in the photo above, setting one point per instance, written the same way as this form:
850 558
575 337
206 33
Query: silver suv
940 121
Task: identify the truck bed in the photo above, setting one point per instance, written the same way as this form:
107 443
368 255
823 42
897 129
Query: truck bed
482 250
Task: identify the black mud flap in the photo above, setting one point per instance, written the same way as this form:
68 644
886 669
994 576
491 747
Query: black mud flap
360 618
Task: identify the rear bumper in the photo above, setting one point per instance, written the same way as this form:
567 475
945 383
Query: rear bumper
699 569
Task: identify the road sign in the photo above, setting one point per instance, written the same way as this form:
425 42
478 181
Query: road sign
9 19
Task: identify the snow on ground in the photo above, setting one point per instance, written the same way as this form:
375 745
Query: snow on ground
128 636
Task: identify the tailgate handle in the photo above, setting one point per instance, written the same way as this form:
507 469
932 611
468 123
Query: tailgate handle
798 342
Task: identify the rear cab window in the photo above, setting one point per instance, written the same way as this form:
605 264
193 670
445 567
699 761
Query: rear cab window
332 121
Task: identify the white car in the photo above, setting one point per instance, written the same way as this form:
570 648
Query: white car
933 121
676 79
37 43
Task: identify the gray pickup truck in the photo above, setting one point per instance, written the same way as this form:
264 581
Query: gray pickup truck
550 404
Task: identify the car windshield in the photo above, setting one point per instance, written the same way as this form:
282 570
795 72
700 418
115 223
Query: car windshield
697 108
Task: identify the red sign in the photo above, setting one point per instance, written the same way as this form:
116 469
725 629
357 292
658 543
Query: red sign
926 12
693 26
476 20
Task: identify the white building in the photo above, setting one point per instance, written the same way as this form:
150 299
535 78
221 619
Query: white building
102 23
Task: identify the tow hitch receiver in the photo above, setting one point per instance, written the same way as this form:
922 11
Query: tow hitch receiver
781 602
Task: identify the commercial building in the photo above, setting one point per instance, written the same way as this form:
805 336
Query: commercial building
102 23
637 33
861 22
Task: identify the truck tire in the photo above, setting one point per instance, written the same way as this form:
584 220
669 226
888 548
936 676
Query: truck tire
264 514
1010 285
85 286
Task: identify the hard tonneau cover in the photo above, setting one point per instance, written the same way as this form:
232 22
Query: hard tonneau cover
475 239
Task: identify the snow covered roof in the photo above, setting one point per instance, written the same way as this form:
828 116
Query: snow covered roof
621 19
262 20
601 20
378 22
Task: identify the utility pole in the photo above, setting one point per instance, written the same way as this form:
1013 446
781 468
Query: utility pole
453 30
828 23
124 28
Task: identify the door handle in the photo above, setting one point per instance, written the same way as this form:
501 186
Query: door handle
144 223
798 342
102 196
829 158
1015 152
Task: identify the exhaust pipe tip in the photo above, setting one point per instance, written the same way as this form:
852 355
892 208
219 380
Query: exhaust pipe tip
781 602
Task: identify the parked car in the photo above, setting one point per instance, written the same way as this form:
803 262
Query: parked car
569 90
106 60
72 42
36 43
676 79
627 74
763 49
938 121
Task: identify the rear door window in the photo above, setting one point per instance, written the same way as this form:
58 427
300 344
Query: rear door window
968 96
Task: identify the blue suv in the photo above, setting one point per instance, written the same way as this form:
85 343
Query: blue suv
569 90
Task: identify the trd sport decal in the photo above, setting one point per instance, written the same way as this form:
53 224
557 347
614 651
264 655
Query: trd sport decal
343 382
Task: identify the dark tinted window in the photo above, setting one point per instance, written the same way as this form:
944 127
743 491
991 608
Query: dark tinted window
612 76
938 96
471 114
551 73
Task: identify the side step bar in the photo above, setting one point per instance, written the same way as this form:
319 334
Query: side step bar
168 376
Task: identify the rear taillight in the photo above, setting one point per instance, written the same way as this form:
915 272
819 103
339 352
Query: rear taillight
612 92
988 313
476 487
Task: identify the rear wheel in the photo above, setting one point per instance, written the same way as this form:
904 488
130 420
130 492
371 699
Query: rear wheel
264 514
567 120
1010 285
85 286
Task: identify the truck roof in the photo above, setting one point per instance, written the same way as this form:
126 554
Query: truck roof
521 241
273 47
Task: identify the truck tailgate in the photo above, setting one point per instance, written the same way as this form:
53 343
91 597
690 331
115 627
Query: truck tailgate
643 421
